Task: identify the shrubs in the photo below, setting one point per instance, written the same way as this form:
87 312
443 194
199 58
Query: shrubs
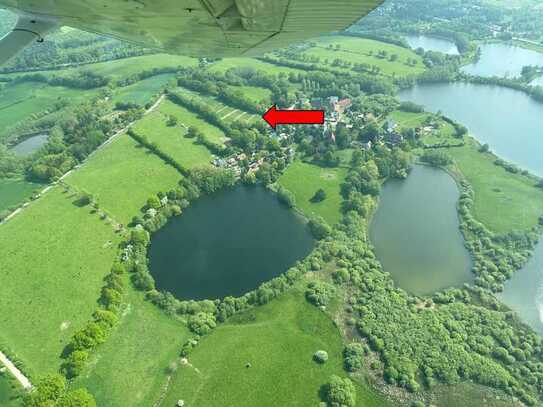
320 356
286 197
319 196
95 332
353 355
319 228
339 392
202 323
436 158
319 293
52 391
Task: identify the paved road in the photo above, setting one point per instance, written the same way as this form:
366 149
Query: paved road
15 372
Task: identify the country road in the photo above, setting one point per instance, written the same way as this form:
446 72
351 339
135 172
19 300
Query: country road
21 378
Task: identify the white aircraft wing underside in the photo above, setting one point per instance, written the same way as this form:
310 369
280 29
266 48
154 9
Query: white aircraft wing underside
199 27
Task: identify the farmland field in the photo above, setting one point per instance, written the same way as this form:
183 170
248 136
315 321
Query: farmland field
141 92
115 175
130 368
361 50
187 118
278 340
228 63
54 257
172 140
303 180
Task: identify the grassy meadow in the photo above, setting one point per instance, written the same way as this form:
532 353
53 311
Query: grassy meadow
361 50
54 257
303 180
186 118
172 140
503 201
122 176
278 340
250 63
8 393
130 368
15 191
141 92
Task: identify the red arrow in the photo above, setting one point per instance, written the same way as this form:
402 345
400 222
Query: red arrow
275 117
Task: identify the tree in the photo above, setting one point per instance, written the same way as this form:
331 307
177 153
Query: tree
153 202
320 356
319 228
51 391
319 293
353 355
340 392
319 196
436 158
286 197
172 121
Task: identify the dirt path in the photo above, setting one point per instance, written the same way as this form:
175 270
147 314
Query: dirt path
21 378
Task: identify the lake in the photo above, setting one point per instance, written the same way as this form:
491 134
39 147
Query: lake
503 60
432 44
416 232
227 244
524 292
30 145
510 121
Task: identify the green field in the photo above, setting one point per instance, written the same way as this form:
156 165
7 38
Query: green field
130 368
503 201
141 92
227 113
256 94
228 63
8 394
361 50
278 340
172 140
187 118
303 180
122 176
18 101
121 68
15 191
53 257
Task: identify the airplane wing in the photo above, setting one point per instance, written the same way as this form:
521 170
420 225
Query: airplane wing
190 27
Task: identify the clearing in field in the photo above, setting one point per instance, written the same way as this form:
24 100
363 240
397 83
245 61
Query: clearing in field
304 180
130 369
278 340
365 51
53 257
171 139
122 176
141 92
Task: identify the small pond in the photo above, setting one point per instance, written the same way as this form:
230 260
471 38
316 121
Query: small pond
227 244
30 145
503 60
432 44
416 232
524 292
